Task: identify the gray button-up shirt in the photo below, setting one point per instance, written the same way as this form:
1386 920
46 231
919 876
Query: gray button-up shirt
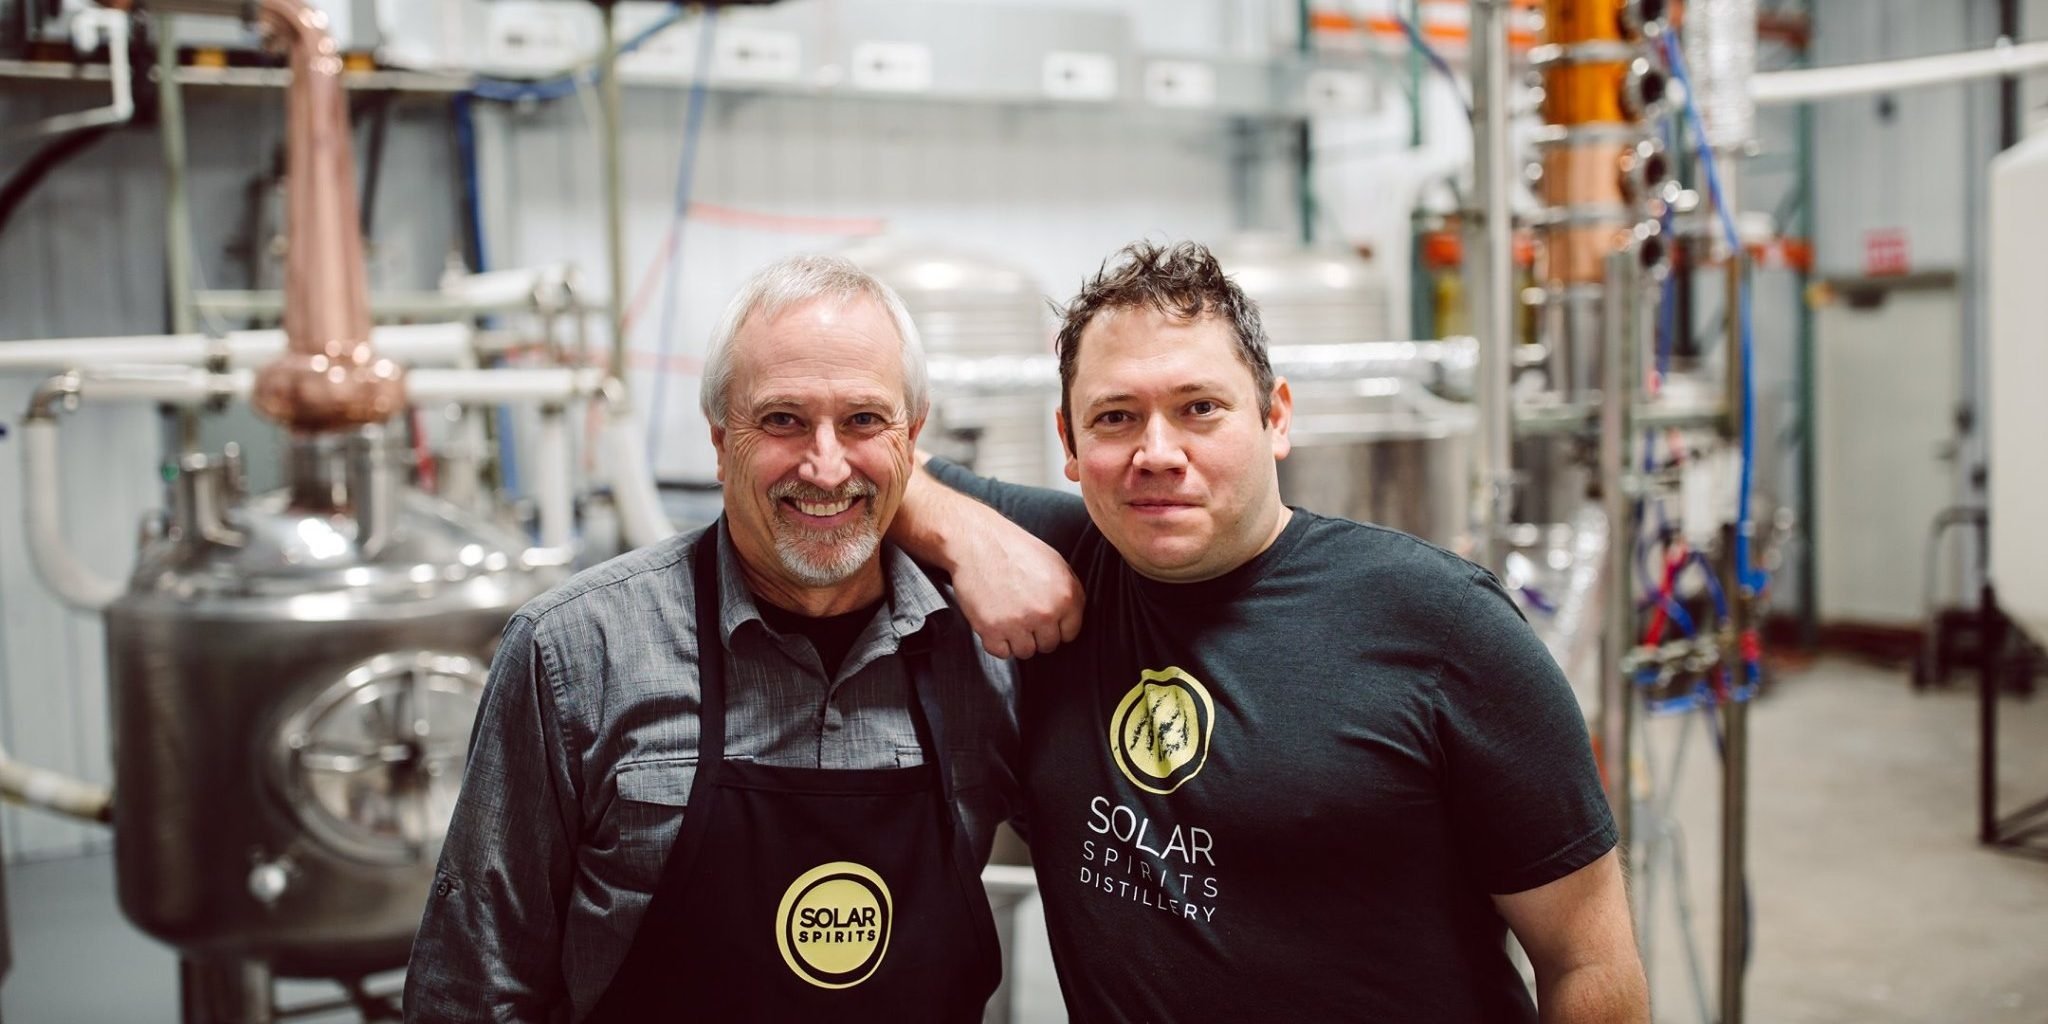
586 748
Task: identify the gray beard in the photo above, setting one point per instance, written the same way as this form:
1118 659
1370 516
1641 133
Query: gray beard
845 552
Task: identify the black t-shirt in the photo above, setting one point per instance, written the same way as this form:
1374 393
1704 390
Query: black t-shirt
831 635
1286 793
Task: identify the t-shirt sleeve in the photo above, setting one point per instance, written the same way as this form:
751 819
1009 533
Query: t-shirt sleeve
1055 517
1523 792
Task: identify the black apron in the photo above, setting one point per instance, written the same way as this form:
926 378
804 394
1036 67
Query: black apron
797 894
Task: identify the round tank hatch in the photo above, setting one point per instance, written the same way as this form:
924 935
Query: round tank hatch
372 764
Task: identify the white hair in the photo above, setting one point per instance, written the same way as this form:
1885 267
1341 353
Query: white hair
795 280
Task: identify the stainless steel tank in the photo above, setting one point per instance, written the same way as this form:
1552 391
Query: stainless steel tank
1382 451
295 676
1379 450
968 305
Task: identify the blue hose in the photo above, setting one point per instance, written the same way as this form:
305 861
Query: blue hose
1750 579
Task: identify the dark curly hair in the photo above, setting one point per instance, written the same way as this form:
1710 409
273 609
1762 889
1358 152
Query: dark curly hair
1182 280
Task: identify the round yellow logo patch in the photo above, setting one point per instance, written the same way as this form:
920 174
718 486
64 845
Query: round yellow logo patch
833 925
1160 732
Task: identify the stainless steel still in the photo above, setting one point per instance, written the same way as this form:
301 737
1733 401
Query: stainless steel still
1318 295
1376 449
1383 451
295 676
971 306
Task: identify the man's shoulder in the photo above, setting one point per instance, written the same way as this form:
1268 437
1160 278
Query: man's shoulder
1351 550
629 580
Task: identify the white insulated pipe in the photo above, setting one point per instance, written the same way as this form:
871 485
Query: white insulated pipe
63 573
1810 85
641 518
557 510
55 792
410 344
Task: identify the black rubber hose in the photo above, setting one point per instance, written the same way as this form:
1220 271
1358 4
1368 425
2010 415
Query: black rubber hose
52 156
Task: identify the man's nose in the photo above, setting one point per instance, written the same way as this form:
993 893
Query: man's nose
1160 449
824 464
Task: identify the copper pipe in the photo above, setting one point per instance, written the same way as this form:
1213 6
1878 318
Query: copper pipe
329 377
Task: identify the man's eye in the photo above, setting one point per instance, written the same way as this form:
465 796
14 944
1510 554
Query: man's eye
867 420
779 421
1203 407
1112 418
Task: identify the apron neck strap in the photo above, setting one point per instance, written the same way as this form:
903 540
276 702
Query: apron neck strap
710 649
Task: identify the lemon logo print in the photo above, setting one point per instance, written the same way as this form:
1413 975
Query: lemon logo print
833 925
1160 731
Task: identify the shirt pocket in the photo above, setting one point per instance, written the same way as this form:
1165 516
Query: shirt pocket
649 813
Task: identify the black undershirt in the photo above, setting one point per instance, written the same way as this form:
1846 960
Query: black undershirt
831 635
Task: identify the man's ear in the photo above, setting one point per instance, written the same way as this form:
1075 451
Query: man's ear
718 444
1281 418
1059 422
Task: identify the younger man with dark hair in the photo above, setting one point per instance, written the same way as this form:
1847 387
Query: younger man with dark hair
1293 767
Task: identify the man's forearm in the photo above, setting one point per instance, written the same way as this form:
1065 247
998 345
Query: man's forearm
1015 591
1596 994
937 524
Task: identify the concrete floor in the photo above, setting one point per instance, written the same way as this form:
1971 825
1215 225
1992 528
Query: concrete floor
1875 904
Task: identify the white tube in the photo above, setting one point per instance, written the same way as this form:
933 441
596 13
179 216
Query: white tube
77 585
410 344
1807 86
557 509
86 27
516 385
51 791
641 518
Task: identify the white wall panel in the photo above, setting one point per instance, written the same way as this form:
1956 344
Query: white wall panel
1901 171
1882 418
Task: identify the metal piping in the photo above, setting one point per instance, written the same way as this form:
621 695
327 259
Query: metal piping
170 107
1447 365
413 344
331 378
1735 755
1494 316
613 101
1814 84
1616 712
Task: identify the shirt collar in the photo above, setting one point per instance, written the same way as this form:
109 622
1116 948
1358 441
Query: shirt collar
912 597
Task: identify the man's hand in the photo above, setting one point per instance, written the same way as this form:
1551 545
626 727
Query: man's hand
1016 591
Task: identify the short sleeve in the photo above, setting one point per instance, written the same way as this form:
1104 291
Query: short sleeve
1055 517
1522 789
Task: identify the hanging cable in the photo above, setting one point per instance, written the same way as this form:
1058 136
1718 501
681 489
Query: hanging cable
1436 60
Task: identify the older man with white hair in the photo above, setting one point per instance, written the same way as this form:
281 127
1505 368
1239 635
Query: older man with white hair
749 773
